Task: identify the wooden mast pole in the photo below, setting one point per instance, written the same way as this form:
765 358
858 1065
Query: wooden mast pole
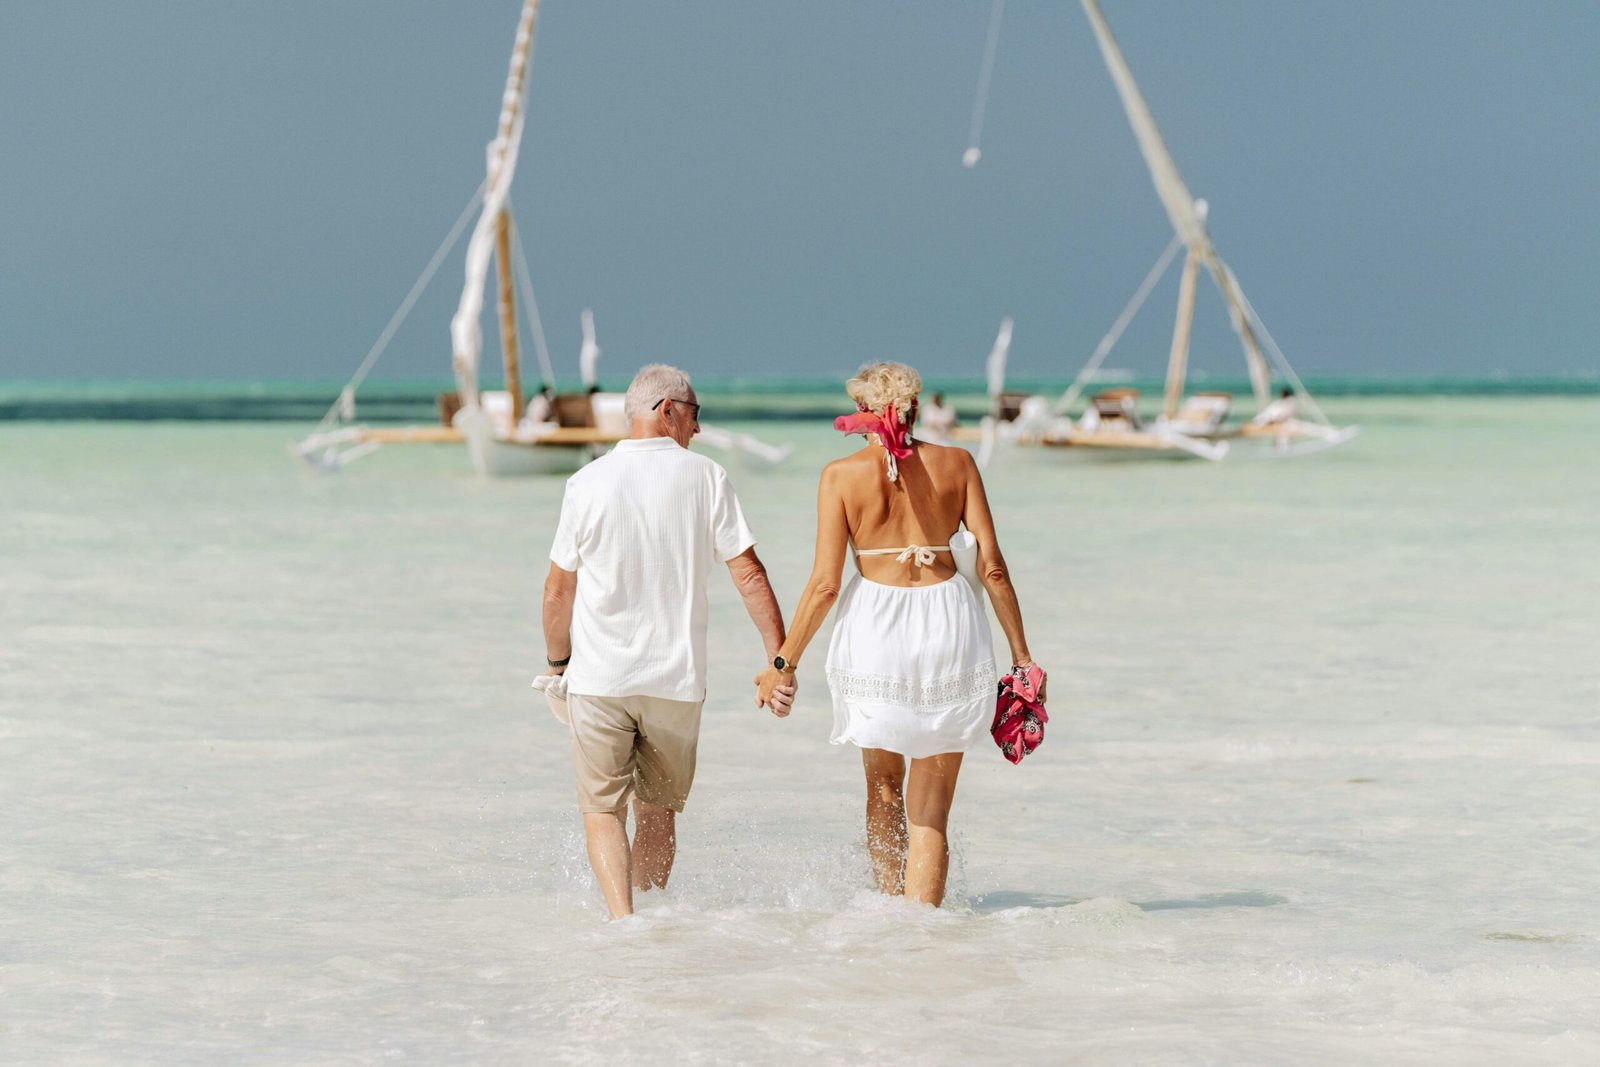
508 315
1178 364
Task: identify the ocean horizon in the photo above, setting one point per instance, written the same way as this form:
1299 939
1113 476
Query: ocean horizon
728 398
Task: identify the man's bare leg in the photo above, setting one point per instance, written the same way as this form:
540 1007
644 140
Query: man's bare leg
655 845
607 835
931 788
886 817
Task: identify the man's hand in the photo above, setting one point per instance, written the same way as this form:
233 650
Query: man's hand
776 689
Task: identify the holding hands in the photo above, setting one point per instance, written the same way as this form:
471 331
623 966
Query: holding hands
775 689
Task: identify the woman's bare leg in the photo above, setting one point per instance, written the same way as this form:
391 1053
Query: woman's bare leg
886 817
931 788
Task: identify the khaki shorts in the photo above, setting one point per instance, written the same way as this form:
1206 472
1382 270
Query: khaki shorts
638 745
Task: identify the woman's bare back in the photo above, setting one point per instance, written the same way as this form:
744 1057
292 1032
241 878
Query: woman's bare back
924 506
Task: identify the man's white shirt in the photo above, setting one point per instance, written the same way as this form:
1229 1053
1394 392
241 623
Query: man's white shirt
643 526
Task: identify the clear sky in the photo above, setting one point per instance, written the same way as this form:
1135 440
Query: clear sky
221 189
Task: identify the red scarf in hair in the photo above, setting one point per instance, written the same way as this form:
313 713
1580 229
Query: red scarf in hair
890 430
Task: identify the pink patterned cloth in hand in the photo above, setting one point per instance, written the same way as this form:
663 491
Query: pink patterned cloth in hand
1019 717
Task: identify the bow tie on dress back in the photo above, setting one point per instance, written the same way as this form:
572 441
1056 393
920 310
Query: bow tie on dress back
891 433
921 553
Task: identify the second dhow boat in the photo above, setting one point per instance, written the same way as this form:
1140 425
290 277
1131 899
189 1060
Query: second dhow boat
1191 426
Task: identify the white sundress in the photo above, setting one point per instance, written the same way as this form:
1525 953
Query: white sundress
911 668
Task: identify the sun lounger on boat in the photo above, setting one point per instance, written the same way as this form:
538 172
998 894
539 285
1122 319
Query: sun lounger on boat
1202 414
1116 409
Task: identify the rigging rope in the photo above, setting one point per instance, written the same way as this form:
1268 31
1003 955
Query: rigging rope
980 105
1115 333
402 311
1273 350
535 323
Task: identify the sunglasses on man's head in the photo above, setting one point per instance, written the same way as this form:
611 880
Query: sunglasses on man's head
675 400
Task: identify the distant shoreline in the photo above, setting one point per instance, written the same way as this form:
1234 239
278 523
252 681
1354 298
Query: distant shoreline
728 399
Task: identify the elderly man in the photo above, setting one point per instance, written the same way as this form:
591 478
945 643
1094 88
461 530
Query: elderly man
625 603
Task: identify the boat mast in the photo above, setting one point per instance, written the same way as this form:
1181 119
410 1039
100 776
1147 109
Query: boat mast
508 315
1178 364
1186 215
493 226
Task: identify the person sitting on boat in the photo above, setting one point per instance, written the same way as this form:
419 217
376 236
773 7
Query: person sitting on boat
911 663
625 620
542 407
1278 418
937 421
1278 412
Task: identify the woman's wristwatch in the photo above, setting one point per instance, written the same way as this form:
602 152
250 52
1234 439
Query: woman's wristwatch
782 665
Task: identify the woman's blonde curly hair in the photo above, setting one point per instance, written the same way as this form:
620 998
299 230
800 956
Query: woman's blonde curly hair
878 385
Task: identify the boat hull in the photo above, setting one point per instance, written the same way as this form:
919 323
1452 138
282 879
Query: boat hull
1134 445
496 457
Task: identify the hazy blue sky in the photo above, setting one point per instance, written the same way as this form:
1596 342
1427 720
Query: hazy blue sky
229 189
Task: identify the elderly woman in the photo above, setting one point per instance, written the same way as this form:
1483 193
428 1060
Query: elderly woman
911 664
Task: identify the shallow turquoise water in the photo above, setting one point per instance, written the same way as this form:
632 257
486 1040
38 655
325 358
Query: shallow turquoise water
1319 781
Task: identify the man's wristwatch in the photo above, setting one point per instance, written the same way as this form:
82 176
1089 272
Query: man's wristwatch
781 664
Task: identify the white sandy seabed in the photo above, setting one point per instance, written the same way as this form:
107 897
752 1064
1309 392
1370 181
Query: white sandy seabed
1320 783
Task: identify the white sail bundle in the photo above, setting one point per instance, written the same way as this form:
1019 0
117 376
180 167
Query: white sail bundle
995 365
589 353
466 335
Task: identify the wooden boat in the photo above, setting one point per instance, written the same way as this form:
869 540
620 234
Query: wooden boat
491 424
494 425
1187 427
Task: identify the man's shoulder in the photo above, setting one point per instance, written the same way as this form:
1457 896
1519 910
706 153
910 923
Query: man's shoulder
613 464
698 462
707 464
585 475
599 469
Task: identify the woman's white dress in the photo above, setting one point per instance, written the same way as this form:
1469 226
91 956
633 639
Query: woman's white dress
911 668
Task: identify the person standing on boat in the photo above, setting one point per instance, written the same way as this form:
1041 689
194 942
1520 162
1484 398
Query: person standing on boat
911 664
625 620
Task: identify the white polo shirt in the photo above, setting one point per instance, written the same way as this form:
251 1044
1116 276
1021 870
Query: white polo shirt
643 526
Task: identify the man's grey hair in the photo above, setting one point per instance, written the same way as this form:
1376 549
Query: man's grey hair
653 382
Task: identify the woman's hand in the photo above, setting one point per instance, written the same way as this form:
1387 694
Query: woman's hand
775 689
1044 676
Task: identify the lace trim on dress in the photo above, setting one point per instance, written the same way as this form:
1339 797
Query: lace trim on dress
970 684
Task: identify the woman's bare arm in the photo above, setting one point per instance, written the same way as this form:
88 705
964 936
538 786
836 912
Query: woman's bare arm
992 565
833 536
